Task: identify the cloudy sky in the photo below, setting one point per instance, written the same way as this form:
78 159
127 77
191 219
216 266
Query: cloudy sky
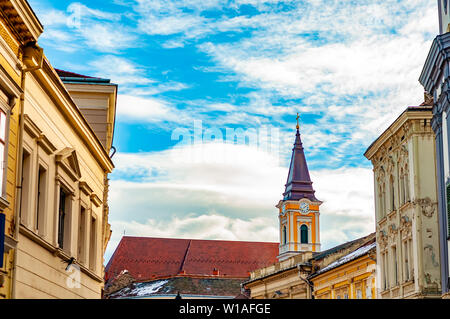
191 71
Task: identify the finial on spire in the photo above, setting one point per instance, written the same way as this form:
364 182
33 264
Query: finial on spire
298 116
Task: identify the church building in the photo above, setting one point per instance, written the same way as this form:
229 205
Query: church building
303 271
299 208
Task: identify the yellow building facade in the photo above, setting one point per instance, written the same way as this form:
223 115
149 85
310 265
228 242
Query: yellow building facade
18 27
352 276
54 188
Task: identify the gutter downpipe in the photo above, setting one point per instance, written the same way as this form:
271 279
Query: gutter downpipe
310 285
18 196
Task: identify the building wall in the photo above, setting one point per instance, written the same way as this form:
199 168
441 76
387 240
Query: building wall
435 80
97 103
281 280
406 208
10 59
353 280
286 285
54 144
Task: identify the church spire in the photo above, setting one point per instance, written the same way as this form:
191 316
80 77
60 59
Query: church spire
298 183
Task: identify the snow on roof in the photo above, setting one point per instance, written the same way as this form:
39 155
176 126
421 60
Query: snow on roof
349 257
142 289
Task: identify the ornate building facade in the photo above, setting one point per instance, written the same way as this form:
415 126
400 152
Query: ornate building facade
403 160
435 80
55 169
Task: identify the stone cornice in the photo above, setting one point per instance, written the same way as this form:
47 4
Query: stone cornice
22 20
403 124
438 54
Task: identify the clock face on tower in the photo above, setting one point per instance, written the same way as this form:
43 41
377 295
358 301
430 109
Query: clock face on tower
304 208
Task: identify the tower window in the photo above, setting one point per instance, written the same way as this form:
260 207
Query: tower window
304 234
284 235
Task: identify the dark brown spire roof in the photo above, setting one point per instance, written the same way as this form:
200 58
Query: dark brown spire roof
298 183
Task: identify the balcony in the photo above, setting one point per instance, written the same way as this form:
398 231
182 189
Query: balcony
291 247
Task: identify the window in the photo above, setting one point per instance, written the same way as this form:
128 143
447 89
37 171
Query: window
368 291
346 296
26 188
394 264
406 184
358 294
93 244
392 195
304 234
380 202
406 259
402 187
284 235
64 219
41 199
385 272
81 235
3 127
411 261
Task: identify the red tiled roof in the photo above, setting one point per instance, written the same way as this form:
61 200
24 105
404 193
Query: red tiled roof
148 258
67 74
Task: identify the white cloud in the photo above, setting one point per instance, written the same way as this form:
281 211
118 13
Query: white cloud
135 108
230 196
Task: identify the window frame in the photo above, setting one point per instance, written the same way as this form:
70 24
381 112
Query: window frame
304 229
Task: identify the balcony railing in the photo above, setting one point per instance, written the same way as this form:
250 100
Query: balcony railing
291 246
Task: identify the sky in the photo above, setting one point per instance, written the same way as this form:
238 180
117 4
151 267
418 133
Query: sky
193 73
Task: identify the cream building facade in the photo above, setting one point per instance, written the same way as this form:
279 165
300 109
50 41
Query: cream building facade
403 159
54 187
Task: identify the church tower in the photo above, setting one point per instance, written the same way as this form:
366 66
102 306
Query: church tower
299 208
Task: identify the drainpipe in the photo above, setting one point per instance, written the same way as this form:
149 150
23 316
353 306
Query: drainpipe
30 50
310 285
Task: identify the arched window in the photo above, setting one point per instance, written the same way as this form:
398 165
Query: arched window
402 187
407 184
304 234
284 235
392 195
380 202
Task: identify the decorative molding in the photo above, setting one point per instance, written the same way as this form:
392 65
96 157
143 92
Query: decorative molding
392 230
96 200
84 187
68 161
427 206
30 127
45 144
382 238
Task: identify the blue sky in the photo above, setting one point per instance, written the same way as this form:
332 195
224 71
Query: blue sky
348 67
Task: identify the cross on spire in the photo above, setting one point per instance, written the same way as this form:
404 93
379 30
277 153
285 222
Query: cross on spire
298 116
